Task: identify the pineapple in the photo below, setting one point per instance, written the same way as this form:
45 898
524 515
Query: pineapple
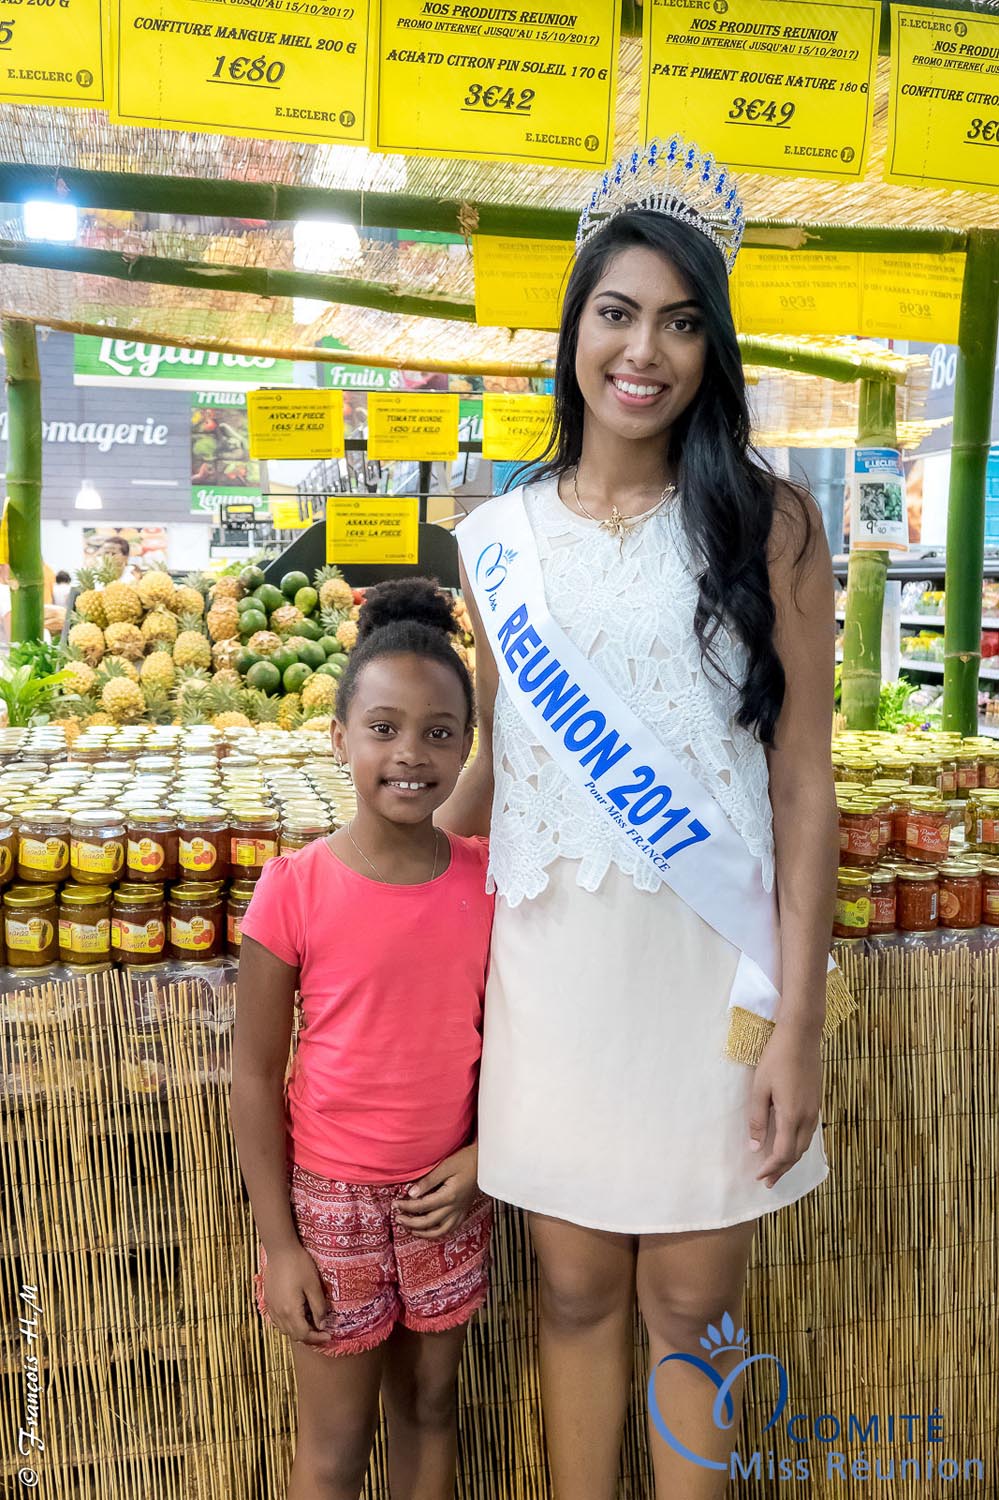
81 677
88 603
223 620
117 666
88 639
319 692
261 707
158 671
98 717
159 708
226 588
70 727
335 593
226 704
318 723
190 680
264 643
355 613
161 625
289 711
188 601
285 618
227 677
347 635
125 640
156 589
120 696
192 648
224 654
331 620
195 702
122 604
110 568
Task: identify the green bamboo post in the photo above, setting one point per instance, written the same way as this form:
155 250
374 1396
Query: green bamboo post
969 459
24 480
865 585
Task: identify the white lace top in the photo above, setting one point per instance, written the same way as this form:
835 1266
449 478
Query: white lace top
631 611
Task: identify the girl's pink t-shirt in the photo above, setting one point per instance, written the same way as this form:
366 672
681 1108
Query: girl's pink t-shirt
392 979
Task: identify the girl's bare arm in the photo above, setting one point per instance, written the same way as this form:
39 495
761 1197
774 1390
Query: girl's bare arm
264 1011
467 809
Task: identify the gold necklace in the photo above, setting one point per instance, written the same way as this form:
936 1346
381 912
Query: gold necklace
371 866
617 524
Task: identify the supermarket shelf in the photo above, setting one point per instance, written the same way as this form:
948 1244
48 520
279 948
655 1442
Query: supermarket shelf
989 622
935 668
989 727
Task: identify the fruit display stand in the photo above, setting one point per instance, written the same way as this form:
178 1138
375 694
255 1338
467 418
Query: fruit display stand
126 1269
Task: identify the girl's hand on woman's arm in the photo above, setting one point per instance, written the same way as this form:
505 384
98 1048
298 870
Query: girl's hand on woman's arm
265 1002
440 1200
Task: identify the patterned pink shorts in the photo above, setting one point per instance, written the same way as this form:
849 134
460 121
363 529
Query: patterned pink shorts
376 1273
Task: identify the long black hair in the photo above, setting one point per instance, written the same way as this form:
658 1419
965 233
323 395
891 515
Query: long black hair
407 616
727 492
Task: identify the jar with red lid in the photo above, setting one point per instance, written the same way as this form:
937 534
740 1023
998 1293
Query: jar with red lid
918 893
859 835
960 896
852 917
883 901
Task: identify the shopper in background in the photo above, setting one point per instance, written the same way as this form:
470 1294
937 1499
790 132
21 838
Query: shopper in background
117 547
381 1255
62 588
696 590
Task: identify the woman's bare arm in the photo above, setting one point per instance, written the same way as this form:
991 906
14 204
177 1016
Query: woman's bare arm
801 781
264 1011
467 809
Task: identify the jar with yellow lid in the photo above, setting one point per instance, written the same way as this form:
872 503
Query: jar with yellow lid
918 899
960 895
302 829
138 924
96 846
883 899
31 925
42 846
238 900
852 917
927 830
981 822
968 771
85 924
8 849
196 918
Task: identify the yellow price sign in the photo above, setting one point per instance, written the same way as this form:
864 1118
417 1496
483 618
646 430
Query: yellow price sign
529 84
781 86
796 291
291 514
279 69
53 53
912 297
519 283
401 426
5 531
515 428
943 103
372 529
295 424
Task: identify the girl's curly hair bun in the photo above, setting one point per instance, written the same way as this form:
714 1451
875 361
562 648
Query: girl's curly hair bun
418 601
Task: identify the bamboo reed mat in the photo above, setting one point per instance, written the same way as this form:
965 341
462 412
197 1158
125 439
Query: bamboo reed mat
123 1209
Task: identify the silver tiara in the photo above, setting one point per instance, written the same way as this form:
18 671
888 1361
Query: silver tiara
675 179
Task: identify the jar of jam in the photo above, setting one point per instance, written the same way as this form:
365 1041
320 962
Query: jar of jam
85 924
927 831
151 852
981 822
253 840
968 775
197 928
240 894
926 772
8 849
203 843
918 899
96 847
990 893
960 895
883 898
947 776
988 773
30 920
138 925
859 835
43 846
298 831
852 917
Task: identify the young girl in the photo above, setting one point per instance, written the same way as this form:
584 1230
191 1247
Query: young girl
375 1238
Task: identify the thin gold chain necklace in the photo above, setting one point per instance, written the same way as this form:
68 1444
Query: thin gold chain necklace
617 524
371 866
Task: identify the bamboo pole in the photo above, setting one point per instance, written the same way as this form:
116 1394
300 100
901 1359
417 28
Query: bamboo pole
256 281
269 201
969 459
865 585
24 480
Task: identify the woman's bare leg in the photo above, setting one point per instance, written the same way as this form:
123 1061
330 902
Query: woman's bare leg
587 1352
337 1418
685 1282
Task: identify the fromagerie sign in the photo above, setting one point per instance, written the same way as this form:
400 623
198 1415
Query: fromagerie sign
98 361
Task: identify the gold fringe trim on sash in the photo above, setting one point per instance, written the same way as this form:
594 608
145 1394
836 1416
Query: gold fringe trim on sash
749 1033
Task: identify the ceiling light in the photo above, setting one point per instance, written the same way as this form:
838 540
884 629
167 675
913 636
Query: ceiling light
88 498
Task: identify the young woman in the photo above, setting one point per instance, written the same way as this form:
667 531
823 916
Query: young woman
699 590
374 1236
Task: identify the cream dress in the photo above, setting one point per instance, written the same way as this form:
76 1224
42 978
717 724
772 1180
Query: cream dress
605 1097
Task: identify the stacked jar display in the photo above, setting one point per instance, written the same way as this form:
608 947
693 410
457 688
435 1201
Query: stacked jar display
141 846
919 836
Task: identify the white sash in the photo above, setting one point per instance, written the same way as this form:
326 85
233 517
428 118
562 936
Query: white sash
639 786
